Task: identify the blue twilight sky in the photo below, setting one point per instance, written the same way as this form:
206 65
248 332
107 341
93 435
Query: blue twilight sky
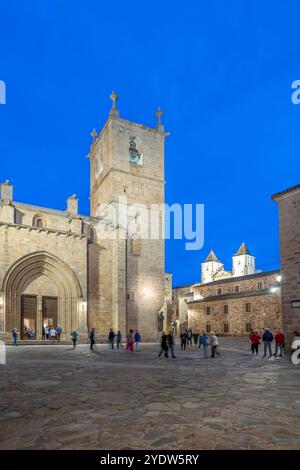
222 72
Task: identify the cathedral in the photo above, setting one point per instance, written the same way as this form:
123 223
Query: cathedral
56 268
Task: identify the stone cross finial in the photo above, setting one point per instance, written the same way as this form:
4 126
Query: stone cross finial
94 134
159 114
114 110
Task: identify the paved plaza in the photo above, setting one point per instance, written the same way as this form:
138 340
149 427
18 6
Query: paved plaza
54 397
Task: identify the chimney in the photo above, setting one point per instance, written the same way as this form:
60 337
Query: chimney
72 205
6 191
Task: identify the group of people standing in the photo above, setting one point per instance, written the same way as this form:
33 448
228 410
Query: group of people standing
267 338
133 339
193 340
199 341
48 333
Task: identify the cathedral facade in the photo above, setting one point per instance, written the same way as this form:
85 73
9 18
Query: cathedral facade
83 272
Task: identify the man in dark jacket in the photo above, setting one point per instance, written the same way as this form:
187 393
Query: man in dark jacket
183 340
163 345
171 344
267 338
111 338
92 338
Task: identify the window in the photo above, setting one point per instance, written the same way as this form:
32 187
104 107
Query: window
208 328
259 285
248 307
236 288
248 327
38 222
225 308
207 310
220 291
130 296
226 327
185 300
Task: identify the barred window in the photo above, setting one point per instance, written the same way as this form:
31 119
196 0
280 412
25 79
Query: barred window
225 308
236 288
208 328
259 285
248 307
220 291
207 310
226 327
248 327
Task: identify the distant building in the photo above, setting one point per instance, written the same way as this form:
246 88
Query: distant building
229 302
243 263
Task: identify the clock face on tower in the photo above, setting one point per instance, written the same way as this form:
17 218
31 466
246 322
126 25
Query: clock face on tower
134 155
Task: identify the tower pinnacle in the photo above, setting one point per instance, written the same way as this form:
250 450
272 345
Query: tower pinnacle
114 110
159 113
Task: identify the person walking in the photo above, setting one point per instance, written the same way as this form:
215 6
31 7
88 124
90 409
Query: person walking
279 342
92 338
214 343
130 341
189 336
119 339
267 338
203 342
58 332
137 340
14 336
183 340
111 338
163 345
74 336
43 333
254 338
170 343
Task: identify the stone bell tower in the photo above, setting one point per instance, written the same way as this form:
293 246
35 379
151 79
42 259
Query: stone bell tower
127 172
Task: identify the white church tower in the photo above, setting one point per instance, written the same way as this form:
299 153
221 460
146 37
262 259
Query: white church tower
210 267
243 262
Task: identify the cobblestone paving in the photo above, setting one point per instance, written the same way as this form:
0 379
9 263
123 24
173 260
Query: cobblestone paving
54 397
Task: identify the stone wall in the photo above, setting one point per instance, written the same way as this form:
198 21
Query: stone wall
289 226
265 311
53 253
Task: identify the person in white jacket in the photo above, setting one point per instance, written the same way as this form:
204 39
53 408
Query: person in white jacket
214 343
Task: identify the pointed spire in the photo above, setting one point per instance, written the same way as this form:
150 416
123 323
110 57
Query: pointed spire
211 257
114 110
243 250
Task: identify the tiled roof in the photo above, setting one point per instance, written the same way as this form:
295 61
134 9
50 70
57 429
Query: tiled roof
211 257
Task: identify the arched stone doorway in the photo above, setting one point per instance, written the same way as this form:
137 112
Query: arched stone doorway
41 276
